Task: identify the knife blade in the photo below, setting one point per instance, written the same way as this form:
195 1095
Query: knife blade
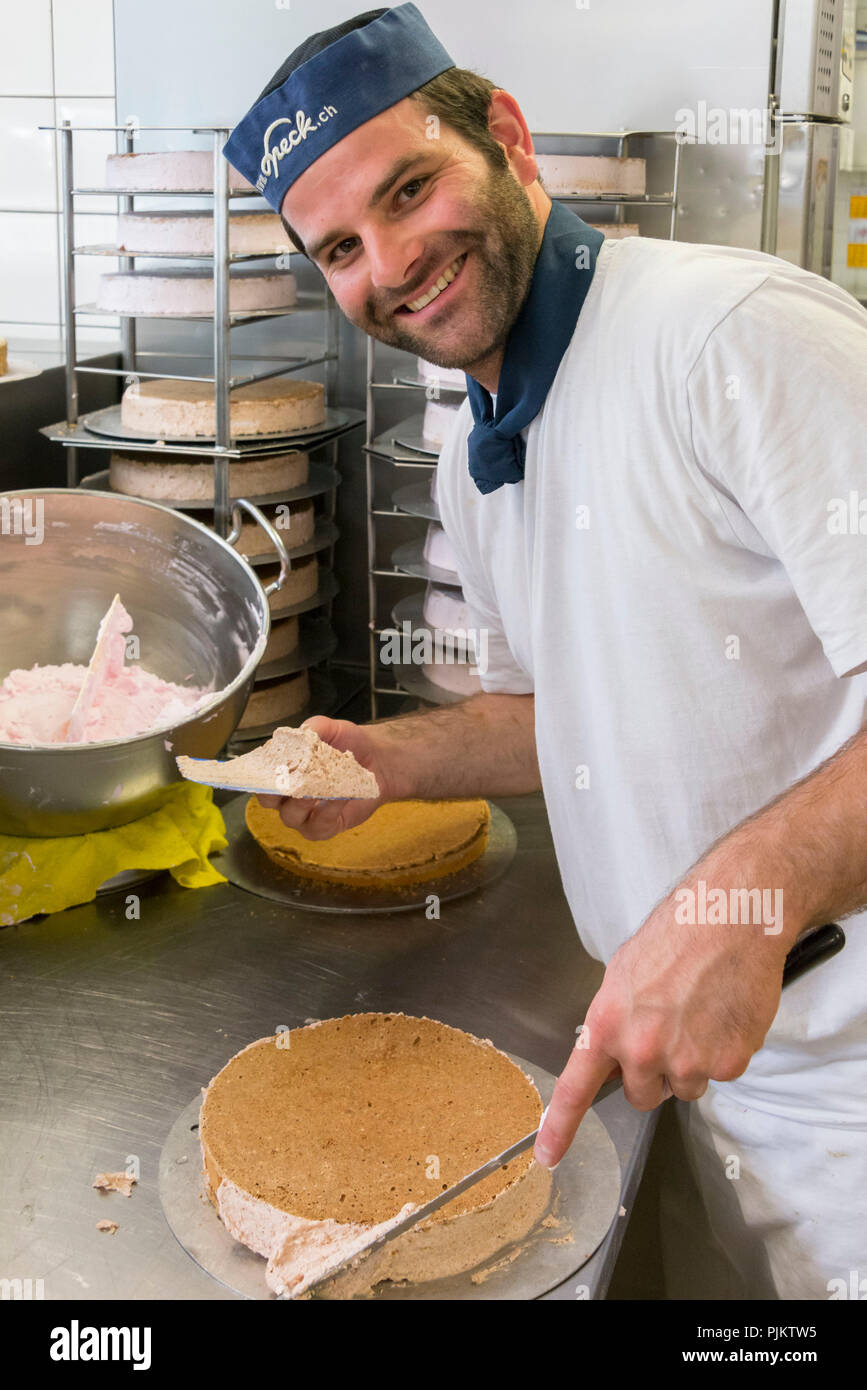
811 948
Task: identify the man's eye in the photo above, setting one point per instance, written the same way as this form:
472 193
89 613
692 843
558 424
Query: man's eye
413 183
411 188
349 241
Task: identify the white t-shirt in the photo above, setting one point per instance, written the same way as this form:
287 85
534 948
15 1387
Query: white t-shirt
666 581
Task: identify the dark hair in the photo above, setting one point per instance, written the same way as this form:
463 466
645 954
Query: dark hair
461 99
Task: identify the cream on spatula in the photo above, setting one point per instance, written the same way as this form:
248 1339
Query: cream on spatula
106 662
294 762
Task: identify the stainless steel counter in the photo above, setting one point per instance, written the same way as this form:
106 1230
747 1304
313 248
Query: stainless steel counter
109 1024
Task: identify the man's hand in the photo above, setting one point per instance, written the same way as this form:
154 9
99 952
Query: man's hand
679 1005
319 819
482 746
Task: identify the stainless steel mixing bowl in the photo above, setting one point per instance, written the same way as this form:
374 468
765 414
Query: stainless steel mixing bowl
199 612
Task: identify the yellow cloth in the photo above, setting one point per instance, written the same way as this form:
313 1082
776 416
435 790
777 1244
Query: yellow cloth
48 875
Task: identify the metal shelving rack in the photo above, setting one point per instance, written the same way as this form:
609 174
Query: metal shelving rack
318 642
663 166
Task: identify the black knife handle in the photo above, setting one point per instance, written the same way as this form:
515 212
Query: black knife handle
816 945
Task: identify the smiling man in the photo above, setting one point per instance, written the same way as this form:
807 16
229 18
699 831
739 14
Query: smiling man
641 490
448 243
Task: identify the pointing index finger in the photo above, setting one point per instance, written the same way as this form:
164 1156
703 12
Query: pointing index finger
576 1088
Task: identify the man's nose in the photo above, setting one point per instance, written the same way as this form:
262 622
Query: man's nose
393 261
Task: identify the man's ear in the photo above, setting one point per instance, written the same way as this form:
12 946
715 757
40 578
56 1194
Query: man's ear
508 127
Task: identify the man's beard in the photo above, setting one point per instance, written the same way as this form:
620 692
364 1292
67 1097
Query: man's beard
504 254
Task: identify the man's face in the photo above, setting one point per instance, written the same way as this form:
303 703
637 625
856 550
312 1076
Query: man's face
388 211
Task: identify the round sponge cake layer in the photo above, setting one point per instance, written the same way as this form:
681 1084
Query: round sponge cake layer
402 842
183 409
352 1118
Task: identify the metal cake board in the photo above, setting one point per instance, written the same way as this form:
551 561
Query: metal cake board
585 1201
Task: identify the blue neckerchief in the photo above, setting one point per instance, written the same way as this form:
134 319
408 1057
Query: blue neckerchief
539 337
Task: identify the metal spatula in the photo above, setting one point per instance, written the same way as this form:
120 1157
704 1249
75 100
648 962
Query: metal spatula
815 946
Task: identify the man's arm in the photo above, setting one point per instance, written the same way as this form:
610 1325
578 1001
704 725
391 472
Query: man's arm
817 831
483 746
686 1000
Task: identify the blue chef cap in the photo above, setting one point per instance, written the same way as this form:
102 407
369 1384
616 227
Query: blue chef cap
332 84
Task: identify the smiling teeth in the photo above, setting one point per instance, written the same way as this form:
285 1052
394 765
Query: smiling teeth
445 279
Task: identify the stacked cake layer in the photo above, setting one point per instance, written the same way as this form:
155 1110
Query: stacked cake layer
171 409
177 233
571 175
314 1139
155 292
157 478
170 171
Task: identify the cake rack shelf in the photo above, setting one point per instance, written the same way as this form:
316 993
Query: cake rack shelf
650 200
414 500
408 382
308 301
409 558
107 422
104 192
221 449
661 150
259 446
103 249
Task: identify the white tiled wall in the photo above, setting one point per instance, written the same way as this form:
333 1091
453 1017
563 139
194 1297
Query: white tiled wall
56 63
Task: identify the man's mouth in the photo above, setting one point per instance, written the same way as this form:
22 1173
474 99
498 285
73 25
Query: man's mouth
434 290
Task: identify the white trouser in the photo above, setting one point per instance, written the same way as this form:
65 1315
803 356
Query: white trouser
777 1208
